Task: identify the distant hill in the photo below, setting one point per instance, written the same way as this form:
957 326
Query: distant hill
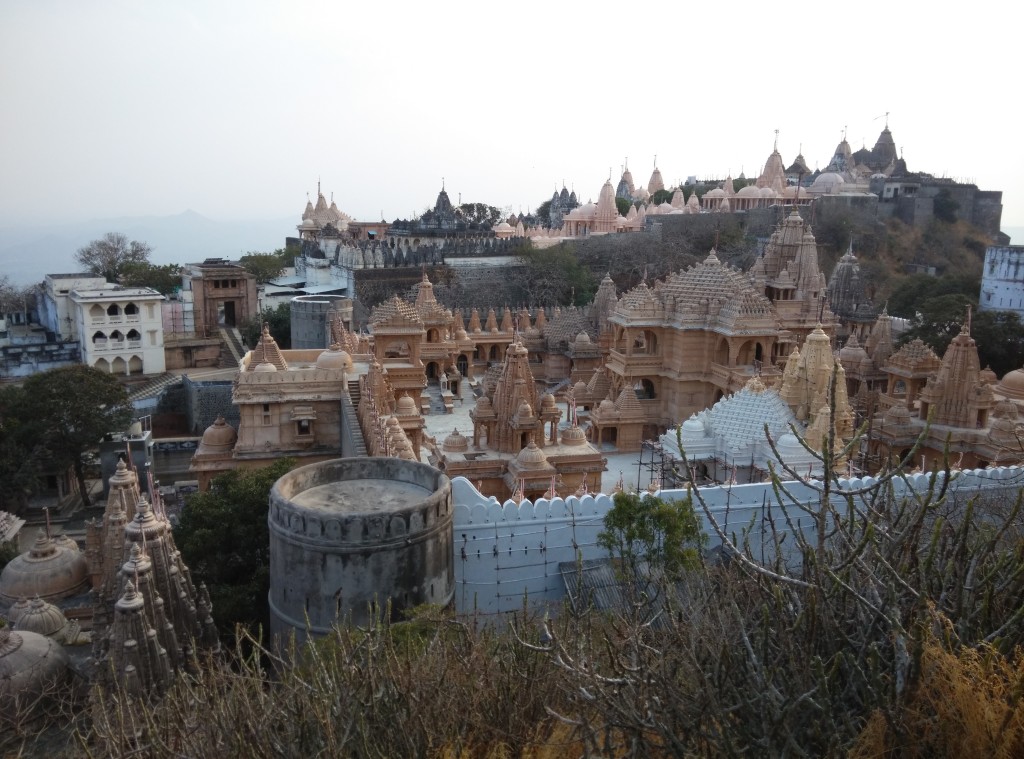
28 253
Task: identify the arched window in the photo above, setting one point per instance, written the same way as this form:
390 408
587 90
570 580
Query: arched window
131 310
113 310
98 338
116 336
134 334
97 312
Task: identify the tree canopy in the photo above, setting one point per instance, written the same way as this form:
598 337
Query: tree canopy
265 266
278 320
20 449
165 279
554 276
108 256
224 540
72 408
479 213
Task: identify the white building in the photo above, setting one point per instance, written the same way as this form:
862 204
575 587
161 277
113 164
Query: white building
1002 280
54 302
119 328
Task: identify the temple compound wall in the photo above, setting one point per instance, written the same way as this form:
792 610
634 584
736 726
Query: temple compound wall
507 552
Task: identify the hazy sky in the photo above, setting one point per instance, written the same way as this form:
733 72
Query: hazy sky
235 109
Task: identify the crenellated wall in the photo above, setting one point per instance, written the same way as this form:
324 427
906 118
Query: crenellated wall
507 554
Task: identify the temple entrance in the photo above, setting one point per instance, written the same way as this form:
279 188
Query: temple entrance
462 364
432 370
610 435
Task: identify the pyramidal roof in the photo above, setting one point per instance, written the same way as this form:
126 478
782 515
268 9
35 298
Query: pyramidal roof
267 352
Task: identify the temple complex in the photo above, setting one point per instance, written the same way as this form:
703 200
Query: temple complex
129 594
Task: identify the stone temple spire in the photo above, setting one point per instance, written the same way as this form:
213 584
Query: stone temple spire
158 617
136 660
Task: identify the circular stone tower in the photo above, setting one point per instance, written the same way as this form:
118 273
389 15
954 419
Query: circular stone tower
348 533
310 319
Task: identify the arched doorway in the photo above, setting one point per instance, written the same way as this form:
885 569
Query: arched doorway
462 364
432 370
135 365
119 366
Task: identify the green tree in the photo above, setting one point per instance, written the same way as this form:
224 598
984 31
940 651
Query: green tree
264 266
667 535
543 213
623 205
224 540
74 407
277 319
554 276
479 213
165 279
108 256
20 449
661 196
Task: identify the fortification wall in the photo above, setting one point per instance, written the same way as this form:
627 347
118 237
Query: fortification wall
507 554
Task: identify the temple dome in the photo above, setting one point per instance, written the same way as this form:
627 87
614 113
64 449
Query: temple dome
574 435
582 339
406 405
580 388
334 358
898 415
606 406
265 367
827 182
1012 385
455 442
218 437
749 191
51 569
524 410
531 457
547 401
30 666
42 618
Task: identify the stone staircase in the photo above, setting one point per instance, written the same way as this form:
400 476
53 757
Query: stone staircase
154 387
232 349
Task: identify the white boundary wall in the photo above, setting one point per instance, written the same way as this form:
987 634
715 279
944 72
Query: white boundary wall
506 555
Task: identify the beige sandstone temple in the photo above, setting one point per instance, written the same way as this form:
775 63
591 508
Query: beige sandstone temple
552 388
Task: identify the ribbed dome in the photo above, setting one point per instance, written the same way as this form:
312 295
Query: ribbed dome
30 665
574 436
42 618
525 410
50 569
531 457
606 406
582 339
218 437
579 388
897 416
265 367
455 442
406 405
547 401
